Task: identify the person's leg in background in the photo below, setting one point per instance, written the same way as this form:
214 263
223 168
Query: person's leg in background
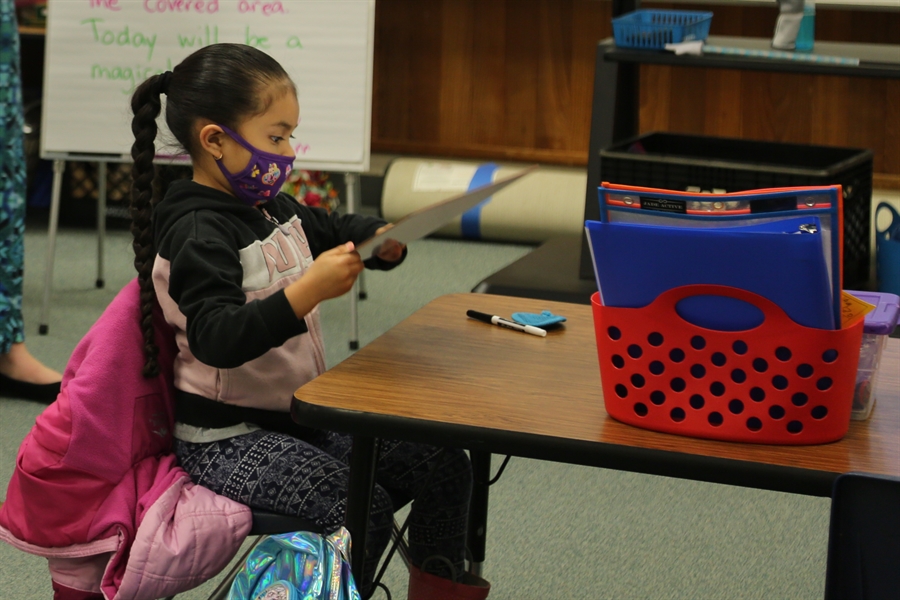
21 375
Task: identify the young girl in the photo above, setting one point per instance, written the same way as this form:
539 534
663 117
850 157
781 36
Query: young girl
239 271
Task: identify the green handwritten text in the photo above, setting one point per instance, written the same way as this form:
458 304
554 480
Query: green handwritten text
132 76
208 35
124 37
257 41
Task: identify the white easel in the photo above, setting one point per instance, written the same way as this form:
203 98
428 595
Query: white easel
357 292
59 167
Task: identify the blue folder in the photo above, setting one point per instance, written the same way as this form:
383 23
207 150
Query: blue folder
781 261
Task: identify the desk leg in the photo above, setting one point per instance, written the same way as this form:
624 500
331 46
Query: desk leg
477 535
360 488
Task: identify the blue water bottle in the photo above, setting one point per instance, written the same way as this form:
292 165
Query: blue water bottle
887 249
807 33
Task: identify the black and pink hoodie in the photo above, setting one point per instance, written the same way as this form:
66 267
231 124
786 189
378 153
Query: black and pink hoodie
220 273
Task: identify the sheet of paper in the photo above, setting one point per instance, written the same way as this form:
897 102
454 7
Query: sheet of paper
429 219
853 309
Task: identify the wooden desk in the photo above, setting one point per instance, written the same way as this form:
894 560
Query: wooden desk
441 378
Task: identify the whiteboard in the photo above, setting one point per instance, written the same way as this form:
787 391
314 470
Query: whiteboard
98 51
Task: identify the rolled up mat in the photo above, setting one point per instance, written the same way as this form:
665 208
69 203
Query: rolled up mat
544 204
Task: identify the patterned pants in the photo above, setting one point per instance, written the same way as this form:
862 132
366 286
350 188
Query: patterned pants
12 181
308 478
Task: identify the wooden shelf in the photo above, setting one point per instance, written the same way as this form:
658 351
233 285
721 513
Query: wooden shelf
28 30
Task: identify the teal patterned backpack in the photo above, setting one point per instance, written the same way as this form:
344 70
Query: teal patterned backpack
297 566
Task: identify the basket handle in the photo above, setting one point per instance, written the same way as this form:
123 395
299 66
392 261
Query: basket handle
892 231
773 315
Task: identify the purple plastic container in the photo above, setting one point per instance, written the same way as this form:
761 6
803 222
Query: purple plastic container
878 325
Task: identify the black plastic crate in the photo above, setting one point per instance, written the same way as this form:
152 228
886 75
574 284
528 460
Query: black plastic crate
698 163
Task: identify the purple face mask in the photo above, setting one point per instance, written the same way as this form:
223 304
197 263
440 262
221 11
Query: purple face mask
263 176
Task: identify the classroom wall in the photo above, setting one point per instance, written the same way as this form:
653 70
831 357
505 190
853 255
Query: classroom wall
512 79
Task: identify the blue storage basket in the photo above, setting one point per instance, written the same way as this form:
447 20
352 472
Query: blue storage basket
653 29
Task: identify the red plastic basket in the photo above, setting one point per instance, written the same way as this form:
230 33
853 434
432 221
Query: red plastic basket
779 383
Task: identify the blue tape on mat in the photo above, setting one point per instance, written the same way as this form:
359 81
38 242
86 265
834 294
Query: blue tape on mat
471 219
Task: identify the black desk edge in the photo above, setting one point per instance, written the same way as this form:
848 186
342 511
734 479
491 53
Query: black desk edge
866 68
592 454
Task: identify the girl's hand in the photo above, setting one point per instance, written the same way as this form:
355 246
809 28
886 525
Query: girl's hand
332 274
390 250
335 270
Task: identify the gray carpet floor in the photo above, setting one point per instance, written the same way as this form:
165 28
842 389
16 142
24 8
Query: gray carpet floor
555 531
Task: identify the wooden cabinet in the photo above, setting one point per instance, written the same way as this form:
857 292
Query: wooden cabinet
512 79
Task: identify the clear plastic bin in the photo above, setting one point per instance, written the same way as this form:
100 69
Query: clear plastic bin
878 325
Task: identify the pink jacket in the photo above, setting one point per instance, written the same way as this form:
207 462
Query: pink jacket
96 489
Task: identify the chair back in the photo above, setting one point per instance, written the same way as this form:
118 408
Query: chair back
864 538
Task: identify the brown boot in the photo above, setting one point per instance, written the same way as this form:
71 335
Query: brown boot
425 586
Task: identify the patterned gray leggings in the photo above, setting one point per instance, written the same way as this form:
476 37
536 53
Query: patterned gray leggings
308 478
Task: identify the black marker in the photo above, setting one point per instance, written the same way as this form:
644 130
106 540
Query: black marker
501 322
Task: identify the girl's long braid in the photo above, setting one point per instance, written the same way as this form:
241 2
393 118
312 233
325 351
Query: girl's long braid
146 107
220 83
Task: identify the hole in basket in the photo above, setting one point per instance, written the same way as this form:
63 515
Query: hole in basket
637 380
657 368
795 427
830 356
824 383
676 355
678 384
614 333
739 347
621 390
617 361
655 339
783 354
799 399
634 351
657 397
819 412
780 382
698 371
736 406
738 376
757 394
718 359
760 365
754 424
715 419
804 370
697 401
677 414
698 342
776 412
717 388
641 409
719 313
